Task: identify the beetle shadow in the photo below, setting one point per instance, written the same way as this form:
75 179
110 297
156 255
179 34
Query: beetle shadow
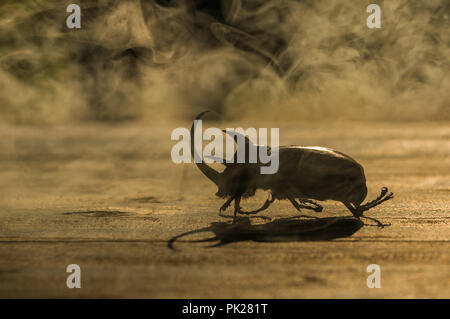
280 230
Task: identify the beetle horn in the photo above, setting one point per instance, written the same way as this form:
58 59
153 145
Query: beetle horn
247 140
236 134
209 172
216 159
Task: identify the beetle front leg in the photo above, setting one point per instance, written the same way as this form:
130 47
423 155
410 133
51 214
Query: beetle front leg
225 206
266 205
237 207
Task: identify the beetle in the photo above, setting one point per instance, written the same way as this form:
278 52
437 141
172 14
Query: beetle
305 174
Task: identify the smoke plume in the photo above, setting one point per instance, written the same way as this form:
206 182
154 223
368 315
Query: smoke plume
157 60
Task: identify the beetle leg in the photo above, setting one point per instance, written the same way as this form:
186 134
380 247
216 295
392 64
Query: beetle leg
237 207
266 205
298 206
359 209
294 202
358 213
225 206
373 204
353 210
380 199
318 208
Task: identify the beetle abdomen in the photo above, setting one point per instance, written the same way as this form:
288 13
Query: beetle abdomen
321 173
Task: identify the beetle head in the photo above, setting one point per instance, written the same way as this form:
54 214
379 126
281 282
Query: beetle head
235 178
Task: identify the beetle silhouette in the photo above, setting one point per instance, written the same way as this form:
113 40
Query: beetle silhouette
305 174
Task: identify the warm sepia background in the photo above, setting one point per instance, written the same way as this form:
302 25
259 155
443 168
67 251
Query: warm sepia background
85 122
148 60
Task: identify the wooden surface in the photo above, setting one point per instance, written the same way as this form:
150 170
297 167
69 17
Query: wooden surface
109 199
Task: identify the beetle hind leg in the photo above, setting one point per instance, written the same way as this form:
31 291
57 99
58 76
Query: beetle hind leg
380 199
358 213
358 210
353 210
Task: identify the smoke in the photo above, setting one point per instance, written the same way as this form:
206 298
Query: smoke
158 60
